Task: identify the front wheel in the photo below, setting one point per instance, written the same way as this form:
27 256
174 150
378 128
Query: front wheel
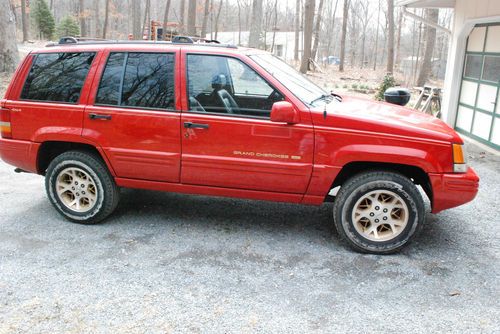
80 187
378 212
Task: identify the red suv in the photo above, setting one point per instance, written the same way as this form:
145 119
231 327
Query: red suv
224 121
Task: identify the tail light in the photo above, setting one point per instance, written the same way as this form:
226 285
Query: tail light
5 128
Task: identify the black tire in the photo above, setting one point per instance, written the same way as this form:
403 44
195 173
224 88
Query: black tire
360 187
106 193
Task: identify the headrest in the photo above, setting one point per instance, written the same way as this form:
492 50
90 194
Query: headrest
219 81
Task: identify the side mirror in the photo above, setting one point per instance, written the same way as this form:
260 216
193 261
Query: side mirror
284 112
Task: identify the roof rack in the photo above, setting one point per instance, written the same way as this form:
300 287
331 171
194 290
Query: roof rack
177 40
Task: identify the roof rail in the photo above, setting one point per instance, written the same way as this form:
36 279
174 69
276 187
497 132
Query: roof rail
69 41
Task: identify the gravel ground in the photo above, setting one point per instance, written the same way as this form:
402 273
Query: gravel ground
176 263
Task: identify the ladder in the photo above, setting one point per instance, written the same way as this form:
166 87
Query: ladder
429 101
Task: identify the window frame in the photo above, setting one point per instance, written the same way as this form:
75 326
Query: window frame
33 61
124 67
187 54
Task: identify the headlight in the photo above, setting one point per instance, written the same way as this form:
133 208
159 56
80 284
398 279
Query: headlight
459 162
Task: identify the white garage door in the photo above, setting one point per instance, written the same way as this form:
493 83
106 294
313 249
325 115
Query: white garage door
478 112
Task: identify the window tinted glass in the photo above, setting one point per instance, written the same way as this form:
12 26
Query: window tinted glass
227 85
109 88
57 76
148 80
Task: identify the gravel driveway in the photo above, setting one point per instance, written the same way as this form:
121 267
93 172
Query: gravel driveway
176 263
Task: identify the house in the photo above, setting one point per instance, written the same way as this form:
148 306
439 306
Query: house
283 45
471 101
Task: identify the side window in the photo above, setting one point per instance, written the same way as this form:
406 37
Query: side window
138 80
220 84
57 77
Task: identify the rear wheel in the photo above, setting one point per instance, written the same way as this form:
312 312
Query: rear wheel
80 187
378 212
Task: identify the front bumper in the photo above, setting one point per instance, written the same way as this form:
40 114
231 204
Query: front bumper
19 153
452 189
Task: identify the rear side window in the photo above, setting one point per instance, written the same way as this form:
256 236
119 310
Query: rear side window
57 77
133 79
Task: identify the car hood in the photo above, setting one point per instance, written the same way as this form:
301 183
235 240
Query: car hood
379 117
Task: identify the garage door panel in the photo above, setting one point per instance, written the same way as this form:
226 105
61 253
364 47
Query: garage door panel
486 97
468 92
482 125
464 118
476 39
492 44
495 135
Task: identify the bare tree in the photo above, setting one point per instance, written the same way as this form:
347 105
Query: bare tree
206 13
9 56
135 8
297 30
165 18
106 19
256 24
182 19
217 18
430 40
317 29
364 15
308 31
147 17
25 23
375 53
97 22
344 34
191 19
390 36
81 17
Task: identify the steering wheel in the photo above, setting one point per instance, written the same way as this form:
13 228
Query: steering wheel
228 101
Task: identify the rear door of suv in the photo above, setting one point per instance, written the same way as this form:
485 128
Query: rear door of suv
133 114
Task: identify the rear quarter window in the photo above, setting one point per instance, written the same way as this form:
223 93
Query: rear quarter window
57 77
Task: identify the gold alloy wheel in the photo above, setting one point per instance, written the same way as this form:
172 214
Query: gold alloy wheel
76 189
380 215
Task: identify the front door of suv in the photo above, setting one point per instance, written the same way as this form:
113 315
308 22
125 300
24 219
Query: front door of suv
228 139
133 115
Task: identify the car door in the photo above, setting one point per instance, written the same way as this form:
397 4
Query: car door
133 116
228 139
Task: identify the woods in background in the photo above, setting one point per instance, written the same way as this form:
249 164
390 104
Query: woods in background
350 33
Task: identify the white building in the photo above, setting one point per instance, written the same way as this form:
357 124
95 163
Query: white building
284 42
471 102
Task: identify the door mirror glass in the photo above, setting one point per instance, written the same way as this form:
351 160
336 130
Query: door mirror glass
285 112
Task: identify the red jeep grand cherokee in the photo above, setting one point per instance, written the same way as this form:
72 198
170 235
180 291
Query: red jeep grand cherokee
225 121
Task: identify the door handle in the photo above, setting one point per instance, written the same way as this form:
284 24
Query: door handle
190 125
97 116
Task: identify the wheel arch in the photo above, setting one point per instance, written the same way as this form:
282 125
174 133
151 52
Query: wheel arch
50 149
416 174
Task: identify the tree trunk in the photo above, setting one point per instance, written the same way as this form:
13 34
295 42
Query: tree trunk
182 18
106 19
297 31
165 19
344 33
390 37
147 17
217 18
375 53
136 19
430 39
205 18
9 56
97 25
25 23
255 25
398 40
308 31
191 19
81 18
317 29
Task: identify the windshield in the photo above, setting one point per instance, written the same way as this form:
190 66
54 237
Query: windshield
303 88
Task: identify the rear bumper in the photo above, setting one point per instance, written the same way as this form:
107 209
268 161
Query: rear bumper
450 190
19 153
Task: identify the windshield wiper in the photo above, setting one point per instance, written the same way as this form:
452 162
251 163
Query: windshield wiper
322 97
